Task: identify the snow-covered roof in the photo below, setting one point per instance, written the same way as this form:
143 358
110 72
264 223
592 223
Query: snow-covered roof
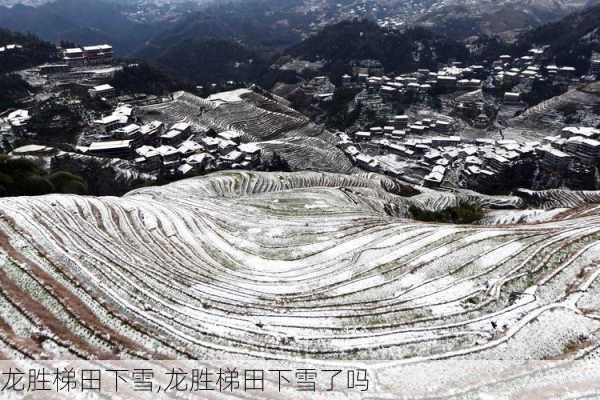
210 141
555 152
165 150
152 126
123 109
229 135
18 116
190 146
129 129
180 126
185 168
233 155
103 88
582 131
249 148
98 47
110 145
199 158
74 50
110 119
147 151
582 140
171 134
31 148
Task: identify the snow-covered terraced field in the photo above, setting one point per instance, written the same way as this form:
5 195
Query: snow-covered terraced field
308 153
297 265
559 198
548 113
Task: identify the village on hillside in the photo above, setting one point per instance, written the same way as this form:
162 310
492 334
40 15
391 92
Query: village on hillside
475 136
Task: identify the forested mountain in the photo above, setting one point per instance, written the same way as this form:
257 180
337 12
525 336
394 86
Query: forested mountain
12 89
397 50
211 60
33 52
237 40
230 40
79 21
260 25
143 78
571 40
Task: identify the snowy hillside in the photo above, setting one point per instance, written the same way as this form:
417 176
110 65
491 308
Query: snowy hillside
240 264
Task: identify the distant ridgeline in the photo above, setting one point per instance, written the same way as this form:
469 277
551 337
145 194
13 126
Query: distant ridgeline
80 21
18 51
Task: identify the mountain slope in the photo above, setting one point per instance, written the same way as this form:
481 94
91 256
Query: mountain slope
284 265
79 21
205 61
399 51
227 40
461 18
33 52
257 24
572 39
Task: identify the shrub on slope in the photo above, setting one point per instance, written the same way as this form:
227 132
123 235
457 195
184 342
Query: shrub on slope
12 90
463 213
143 78
34 51
22 177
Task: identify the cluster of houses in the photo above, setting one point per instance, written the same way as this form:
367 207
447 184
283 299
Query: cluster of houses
10 48
488 158
508 71
399 127
319 88
367 68
10 124
223 151
92 76
370 99
379 90
513 76
574 144
475 161
176 150
359 158
424 81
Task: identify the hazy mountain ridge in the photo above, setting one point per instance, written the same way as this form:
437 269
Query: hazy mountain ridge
463 18
80 21
227 41
264 25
